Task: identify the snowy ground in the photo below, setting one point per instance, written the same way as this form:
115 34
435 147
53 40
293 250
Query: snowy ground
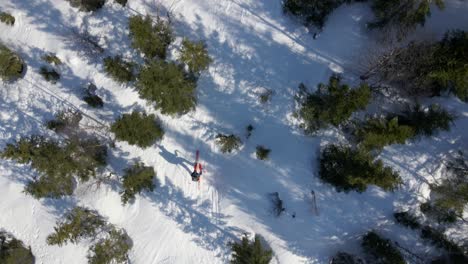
254 47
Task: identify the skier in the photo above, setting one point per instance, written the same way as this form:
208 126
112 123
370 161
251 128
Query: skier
197 172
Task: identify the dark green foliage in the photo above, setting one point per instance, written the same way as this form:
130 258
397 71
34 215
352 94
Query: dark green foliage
312 12
376 133
79 223
428 121
228 143
66 121
151 40
118 69
49 74
87 5
349 169
195 56
402 15
246 252
262 152
440 214
249 129
381 249
7 18
138 129
11 65
137 178
57 164
407 220
121 2
93 100
13 251
451 258
167 85
331 104
439 240
51 58
345 258
111 250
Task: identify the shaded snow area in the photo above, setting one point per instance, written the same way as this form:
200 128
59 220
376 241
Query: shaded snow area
254 47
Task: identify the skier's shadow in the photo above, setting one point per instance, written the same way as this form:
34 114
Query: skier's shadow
174 158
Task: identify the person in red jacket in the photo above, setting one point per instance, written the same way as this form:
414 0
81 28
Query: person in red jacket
197 172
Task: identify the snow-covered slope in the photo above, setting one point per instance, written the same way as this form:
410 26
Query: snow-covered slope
254 47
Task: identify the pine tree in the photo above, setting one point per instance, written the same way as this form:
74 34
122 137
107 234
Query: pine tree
118 69
331 104
312 12
167 85
7 18
151 40
345 258
195 56
381 249
428 121
348 169
87 5
262 152
66 121
11 65
13 251
228 143
137 178
138 129
111 250
250 253
49 74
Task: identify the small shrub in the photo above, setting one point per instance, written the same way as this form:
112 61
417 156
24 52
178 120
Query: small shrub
118 69
11 65
137 178
332 104
426 122
249 129
349 169
51 58
195 56
66 121
49 74
57 164
151 40
407 220
266 96
167 85
13 251
121 2
138 129
87 5
381 249
250 252
345 258
228 143
376 133
110 250
79 223
93 100
277 204
439 240
7 18
262 152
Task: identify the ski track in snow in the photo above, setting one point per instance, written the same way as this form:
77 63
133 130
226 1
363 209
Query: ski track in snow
254 46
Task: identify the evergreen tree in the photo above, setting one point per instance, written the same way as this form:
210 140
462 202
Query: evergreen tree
403 15
345 258
51 58
11 65
247 252
79 223
376 133
137 178
312 12
167 85
49 74
228 143
13 251
66 121
349 169
381 249
111 250
138 129
428 121
87 5
57 164
406 219
195 56
7 18
122 2
332 104
262 152
118 69
151 40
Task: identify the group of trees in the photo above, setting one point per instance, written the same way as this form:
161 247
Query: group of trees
13 251
109 244
396 16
